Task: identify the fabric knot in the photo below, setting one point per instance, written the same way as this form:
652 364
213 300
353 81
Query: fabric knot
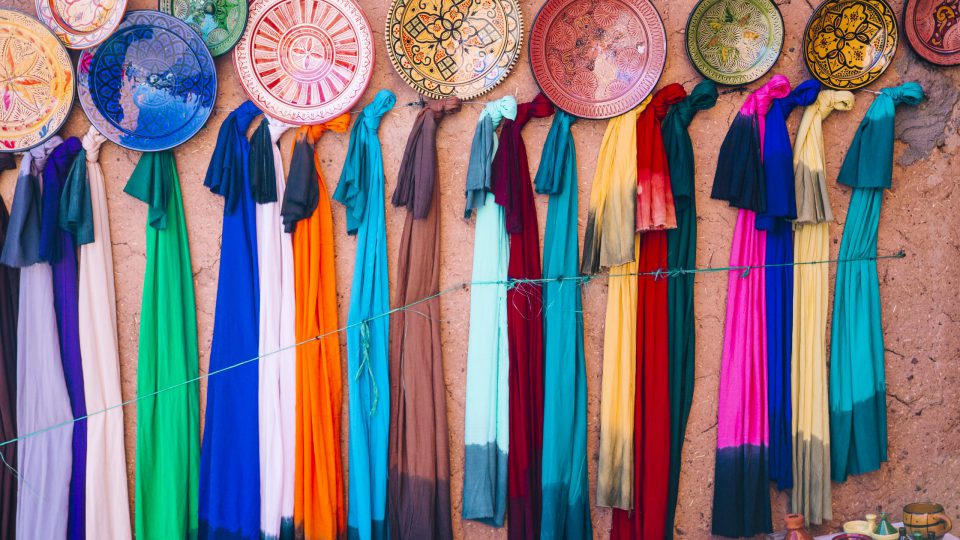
498 110
702 97
804 94
910 93
540 107
834 100
36 158
313 133
92 142
373 113
245 114
277 128
664 98
443 107
760 100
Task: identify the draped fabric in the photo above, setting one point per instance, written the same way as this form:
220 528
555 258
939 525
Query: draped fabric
319 511
361 191
651 433
108 506
167 475
741 501
419 477
613 201
486 418
681 254
513 191
277 374
44 460
229 505
811 495
781 207
858 415
566 499
57 248
9 298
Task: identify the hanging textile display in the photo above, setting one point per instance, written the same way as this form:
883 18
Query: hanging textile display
566 498
83 210
858 411
651 445
510 184
167 476
419 483
811 495
611 240
277 334
486 414
57 248
318 508
741 501
43 460
781 207
9 298
681 255
361 191
230 451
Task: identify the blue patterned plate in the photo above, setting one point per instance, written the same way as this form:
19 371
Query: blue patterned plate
151 85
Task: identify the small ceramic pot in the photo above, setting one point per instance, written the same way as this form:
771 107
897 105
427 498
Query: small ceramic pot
925 517
857 526
795 530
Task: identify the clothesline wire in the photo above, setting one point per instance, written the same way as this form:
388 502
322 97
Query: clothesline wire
509 283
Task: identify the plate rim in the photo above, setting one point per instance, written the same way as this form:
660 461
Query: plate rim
99 39
909 35
73 92
776 60
243 28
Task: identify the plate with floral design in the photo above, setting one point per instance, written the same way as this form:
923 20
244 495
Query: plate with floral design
848 44
734 42
933 30
219 22
305 61
461 48
597 58
81 24
36 82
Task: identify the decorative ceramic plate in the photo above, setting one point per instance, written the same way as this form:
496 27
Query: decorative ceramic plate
933 30
81 24
461 48
734 42
849 43
597 58
305 61
151 85
219 22
36 82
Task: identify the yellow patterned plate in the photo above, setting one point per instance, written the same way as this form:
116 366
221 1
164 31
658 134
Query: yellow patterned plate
461 48
848 44
36 82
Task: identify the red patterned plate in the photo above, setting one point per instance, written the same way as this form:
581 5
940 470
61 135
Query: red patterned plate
597 58
933 30
305 61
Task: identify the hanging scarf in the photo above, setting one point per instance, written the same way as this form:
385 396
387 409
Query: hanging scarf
56 247
419 483
741 501
486 416
858 405
810 430
230 451
361 191
566 499
9 297
318 511
512 190
277 334
781 207
167 475
682 254
651 430
613 204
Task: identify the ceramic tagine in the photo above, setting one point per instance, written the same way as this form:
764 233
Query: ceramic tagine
795 530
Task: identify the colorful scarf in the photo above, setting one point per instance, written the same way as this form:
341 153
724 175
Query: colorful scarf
9 298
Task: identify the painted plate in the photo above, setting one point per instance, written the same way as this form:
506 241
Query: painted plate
305 61
933 30
461 48
597 58
219 22
81 24
36 82
848 44
734 42
151 85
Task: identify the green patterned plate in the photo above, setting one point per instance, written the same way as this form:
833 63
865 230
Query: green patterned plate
734 42
219 22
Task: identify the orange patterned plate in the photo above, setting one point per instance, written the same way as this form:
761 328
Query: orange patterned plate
848 44
36 82
305 61
933 30
597 58
81 24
